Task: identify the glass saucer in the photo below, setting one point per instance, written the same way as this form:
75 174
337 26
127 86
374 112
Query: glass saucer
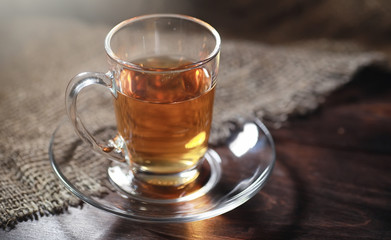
230 175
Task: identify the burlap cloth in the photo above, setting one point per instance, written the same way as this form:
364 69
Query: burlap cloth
270 82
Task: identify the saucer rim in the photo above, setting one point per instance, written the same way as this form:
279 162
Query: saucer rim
234 201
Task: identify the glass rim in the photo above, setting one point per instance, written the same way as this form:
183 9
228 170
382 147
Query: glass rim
136 67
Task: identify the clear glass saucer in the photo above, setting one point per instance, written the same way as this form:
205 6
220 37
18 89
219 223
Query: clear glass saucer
230 175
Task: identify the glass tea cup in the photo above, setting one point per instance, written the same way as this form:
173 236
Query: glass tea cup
162 75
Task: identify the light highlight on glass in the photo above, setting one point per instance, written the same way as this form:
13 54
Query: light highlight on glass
245 140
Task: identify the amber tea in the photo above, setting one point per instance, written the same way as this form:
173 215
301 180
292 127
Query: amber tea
164 117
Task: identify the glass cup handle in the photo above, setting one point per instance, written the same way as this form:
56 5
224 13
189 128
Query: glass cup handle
114 147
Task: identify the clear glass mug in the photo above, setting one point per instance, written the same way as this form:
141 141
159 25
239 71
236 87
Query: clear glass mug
163 73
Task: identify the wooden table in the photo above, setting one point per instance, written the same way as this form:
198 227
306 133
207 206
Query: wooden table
332 180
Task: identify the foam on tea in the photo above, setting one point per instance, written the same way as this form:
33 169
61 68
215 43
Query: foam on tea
164 117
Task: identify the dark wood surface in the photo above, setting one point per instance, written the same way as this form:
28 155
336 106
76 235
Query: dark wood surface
332 178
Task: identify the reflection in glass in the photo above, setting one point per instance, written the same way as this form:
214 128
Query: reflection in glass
245 140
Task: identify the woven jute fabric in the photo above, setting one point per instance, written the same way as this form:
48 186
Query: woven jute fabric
269 82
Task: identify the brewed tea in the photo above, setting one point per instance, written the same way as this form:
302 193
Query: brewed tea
164 116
